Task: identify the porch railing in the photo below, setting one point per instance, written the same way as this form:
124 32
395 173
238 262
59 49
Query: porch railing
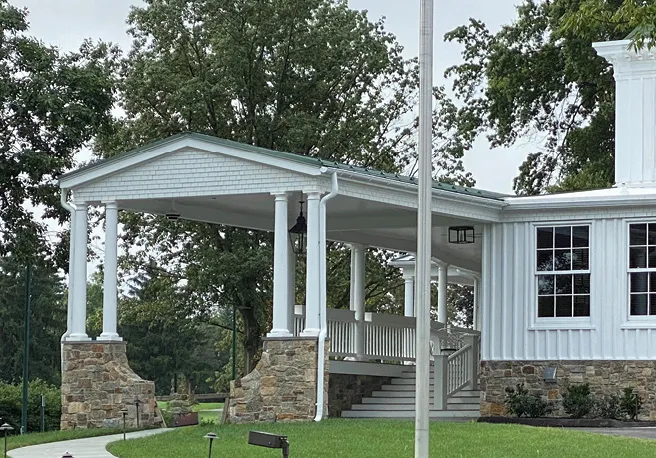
387 337
382 336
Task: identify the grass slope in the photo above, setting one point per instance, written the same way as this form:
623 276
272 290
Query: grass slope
388 438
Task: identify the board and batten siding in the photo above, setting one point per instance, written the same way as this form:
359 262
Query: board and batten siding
510 327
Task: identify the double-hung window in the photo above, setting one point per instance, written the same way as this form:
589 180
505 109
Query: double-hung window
563 271
642 269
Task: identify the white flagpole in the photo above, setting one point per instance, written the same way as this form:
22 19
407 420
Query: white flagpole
422 400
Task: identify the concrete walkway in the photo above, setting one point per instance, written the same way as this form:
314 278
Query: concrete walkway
645 432
91 447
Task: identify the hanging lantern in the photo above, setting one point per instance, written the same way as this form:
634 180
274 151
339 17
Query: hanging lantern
461 234
297 233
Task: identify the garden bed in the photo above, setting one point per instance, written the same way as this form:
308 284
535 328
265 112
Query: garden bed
568 422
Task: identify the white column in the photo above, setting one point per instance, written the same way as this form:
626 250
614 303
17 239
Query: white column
359 252
71 267
79 315
476 325
313 274
291 285
281 323
110 291
352 281
409 296
441 295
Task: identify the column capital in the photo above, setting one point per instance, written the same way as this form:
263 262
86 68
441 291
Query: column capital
312 195
441 264
282 195
358 246
110 204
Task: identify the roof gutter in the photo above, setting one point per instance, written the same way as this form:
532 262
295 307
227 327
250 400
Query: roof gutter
321 354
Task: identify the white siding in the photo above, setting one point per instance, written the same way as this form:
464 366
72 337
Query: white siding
510 329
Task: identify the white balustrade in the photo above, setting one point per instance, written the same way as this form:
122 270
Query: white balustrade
390 337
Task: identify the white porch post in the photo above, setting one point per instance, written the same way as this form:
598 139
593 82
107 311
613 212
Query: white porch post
71 276
476 325
79 279
358 268
313 274
291 285
281 326
409 296
441 296
110 291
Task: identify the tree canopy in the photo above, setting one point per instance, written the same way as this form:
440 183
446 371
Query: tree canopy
539 81
51 104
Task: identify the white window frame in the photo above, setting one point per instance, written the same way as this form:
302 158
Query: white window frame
635 319
572 322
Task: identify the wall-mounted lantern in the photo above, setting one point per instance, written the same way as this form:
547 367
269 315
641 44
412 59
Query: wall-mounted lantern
461 234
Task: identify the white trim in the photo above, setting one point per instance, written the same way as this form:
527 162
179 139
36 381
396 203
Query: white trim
556 323
635 321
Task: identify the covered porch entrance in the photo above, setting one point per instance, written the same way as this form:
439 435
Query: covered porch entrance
203 178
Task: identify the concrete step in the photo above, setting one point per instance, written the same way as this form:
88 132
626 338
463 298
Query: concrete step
473 403
460 415
410 406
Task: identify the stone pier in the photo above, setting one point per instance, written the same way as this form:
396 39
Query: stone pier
97 383
282 387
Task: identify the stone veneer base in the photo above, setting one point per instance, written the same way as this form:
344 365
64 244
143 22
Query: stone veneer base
344 390
97 382
282 387
605 377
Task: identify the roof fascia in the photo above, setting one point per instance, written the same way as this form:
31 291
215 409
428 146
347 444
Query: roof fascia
412 189
549 203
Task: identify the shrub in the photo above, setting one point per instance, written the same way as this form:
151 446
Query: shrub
11 397
519 402
609 407
578 401
630 403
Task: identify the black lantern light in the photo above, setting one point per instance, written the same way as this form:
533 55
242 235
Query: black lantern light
6 428
124 412
461 234
211 437
297 233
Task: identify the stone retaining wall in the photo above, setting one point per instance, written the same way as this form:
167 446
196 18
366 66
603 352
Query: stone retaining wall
97 383
344 390
604 377
282 387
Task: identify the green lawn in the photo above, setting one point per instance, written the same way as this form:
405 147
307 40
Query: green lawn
388 438
55 436
206 410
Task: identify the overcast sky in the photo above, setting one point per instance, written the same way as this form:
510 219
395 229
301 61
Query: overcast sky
65 23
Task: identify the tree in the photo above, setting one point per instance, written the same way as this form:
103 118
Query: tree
638 16
47 320
51 104
305 76
540 78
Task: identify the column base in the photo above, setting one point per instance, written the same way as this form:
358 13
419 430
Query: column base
279 333
76 337
97 382
310 332
112 337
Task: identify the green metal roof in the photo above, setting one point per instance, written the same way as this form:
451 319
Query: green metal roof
307 160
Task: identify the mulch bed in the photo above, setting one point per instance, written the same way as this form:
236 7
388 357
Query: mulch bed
568 422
